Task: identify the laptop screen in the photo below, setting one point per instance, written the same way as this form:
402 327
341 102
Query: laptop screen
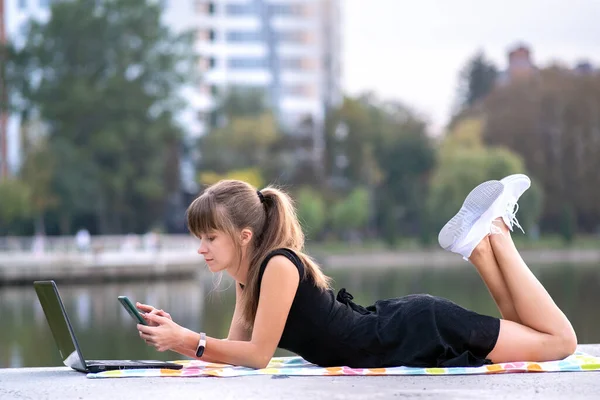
56 316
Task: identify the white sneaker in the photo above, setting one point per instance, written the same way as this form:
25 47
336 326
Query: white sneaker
514 186
473 221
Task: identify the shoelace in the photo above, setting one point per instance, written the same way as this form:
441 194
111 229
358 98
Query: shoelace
511 216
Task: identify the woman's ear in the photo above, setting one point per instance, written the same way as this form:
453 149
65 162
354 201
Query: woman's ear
245 236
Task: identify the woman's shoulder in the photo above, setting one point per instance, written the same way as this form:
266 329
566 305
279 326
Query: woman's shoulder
288 254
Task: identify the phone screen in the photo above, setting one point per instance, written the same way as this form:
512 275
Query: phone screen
135 314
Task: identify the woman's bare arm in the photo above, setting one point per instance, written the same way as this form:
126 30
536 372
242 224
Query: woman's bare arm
237 330
278 289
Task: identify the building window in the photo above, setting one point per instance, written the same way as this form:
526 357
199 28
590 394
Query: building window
207 63
298 90
296 37
298 63
44 3
206 35
241 8
287 10
281 9
291 63
22 4
244 36
247 63
204 7
290 36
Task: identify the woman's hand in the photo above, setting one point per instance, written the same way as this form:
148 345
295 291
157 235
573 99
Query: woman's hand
161 332
147 309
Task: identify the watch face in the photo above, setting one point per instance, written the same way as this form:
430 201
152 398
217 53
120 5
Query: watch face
200 351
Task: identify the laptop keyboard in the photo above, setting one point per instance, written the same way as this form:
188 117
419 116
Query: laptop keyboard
125 362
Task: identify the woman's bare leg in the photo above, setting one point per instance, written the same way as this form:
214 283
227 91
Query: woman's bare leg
485 262
545 333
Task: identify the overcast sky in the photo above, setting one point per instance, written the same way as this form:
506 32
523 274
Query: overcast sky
413 50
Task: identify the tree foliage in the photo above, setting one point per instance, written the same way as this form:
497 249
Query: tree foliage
311 210
552 120
15 202
385 148
243 142
239 101
107 80
351 213
252 176
464 162
477 79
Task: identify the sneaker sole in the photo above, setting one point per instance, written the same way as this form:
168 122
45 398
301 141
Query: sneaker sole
514 177
478 201
506 182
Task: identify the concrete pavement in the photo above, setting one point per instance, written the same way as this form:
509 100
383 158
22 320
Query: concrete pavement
65 384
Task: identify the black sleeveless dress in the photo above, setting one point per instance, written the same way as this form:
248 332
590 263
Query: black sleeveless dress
415 330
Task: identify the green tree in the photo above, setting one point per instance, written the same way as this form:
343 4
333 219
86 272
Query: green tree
551 119
243 133
477 78
38 172
311 211
15 203
464 162
239 101
384 148
250 175
243 142
349 144
406 157
351 214
110 75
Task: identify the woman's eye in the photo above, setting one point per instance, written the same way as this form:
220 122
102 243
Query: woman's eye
210 239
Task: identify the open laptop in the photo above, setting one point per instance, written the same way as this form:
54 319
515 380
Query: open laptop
67 344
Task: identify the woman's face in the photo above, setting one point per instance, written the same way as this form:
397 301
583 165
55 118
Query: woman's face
218 250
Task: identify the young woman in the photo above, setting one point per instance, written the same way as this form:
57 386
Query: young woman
284 300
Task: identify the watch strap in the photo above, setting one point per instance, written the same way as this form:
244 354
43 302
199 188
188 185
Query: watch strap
201 345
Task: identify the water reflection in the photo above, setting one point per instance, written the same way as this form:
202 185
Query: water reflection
105 330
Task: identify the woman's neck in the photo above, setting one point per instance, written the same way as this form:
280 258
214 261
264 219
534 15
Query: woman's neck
240 274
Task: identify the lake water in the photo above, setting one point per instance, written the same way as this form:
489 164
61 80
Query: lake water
105 330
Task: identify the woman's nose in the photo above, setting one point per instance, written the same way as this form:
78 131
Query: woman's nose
202 248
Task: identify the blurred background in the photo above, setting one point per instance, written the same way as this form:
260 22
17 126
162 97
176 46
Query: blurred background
378 117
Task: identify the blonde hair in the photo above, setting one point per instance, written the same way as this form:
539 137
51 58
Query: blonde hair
230 206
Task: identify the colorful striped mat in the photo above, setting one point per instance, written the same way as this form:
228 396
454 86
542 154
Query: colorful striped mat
297 366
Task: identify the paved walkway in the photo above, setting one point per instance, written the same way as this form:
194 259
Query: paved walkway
65 384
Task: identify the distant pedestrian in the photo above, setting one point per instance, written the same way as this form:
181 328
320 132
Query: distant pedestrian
83 240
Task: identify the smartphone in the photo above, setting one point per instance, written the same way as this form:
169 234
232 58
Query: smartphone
134 312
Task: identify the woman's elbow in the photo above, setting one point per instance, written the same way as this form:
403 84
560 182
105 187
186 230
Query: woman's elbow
261 359
261 362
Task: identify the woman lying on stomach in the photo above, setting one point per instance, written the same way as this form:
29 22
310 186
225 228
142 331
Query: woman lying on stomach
283 299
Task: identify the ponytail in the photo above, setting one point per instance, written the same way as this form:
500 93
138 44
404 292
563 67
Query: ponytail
281 230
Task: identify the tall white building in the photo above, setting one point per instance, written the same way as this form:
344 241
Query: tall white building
289 48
